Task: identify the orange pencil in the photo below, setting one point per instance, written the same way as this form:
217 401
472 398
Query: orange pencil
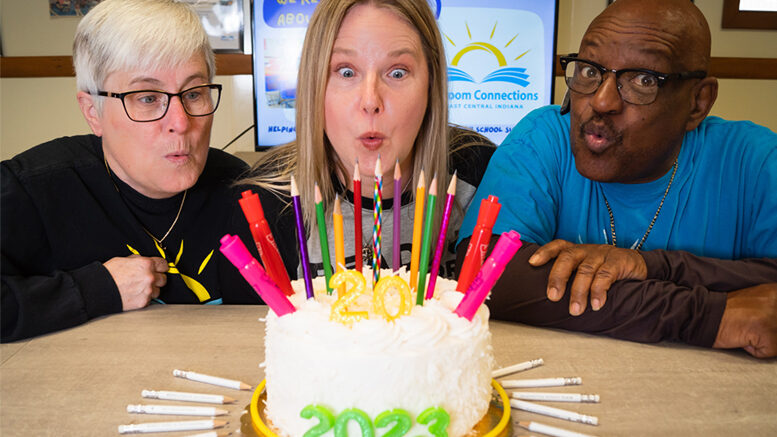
337 219
418 221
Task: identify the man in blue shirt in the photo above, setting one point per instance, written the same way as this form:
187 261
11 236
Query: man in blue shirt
634 178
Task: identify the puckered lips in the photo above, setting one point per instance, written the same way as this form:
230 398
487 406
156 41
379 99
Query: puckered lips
372 140
598 136
178 157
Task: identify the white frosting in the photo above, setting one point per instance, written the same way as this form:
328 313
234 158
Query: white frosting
431 358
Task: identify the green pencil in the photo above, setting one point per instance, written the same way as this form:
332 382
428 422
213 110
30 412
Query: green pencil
423 266
322 236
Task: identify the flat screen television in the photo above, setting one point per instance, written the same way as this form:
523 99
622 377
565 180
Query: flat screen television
500 56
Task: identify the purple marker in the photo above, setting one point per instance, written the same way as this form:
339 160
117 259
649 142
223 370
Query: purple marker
490 271
235 251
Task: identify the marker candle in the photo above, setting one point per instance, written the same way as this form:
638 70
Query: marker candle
235 251
489 273
265 243
478 243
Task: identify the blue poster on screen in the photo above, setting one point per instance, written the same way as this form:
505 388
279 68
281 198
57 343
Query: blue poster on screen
499 53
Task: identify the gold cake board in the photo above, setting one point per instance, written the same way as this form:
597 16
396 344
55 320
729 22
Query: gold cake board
496 422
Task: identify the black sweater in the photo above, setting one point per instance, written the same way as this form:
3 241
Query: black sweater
62 218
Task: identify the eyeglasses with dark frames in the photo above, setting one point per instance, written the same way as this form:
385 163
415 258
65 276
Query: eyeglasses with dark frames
152 105
635 85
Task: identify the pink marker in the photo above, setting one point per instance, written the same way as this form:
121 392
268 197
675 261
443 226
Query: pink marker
235 251
490 271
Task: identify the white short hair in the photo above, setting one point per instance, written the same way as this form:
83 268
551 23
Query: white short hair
122 35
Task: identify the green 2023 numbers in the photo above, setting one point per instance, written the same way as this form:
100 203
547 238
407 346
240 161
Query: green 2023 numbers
399 420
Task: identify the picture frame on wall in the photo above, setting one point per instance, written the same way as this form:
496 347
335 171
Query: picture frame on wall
223 20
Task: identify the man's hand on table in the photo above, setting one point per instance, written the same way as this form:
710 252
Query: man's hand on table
597 265
750 321
138 279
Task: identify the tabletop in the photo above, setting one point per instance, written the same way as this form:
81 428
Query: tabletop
80 381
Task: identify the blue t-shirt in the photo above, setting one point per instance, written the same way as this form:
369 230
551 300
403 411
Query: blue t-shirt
722 202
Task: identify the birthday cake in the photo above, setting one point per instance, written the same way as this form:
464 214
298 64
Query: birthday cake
361 360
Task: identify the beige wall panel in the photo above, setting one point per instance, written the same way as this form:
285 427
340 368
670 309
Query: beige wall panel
35 110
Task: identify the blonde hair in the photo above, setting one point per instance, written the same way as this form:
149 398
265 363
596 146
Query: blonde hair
120 35
311 158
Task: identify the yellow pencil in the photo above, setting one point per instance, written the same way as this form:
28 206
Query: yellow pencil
418 221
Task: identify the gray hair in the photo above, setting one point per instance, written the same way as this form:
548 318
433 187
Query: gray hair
119 35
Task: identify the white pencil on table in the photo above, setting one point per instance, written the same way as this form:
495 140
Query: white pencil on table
558 413
186 397
210 434
520 367
215 380
186 425
551 430
555 397
176 410
543 382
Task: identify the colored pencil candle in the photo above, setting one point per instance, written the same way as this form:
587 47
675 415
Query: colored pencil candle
427 241
418 220
337 221
395 258
377 212
325 260
451 193
357 216
303 247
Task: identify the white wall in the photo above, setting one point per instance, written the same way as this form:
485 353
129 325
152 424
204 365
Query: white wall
34 110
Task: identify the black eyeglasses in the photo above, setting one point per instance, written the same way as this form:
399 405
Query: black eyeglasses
635 85
152 105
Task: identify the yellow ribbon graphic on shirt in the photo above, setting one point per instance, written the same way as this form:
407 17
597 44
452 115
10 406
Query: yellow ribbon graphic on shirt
197 288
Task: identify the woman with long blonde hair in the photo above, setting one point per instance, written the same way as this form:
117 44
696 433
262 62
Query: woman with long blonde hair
372 83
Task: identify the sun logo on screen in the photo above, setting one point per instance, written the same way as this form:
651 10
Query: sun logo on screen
504 73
